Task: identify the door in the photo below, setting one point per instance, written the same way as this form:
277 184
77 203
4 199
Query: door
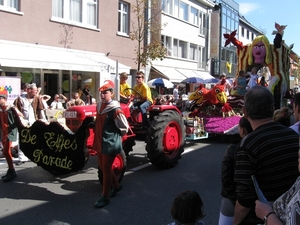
51 85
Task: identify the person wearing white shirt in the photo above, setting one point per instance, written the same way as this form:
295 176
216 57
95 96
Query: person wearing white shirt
56 104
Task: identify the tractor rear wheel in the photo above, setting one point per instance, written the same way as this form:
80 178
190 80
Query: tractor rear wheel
166 139
118 167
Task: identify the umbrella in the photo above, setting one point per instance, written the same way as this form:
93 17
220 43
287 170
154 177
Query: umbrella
211 80
193 80
160 82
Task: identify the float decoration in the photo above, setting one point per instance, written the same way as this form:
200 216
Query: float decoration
231 39
272 62
54 148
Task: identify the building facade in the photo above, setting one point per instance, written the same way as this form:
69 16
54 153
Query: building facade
63 45
186 39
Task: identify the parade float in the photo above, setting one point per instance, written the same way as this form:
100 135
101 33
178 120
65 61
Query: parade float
220 114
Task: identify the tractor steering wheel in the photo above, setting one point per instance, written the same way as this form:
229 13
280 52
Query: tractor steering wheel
132 94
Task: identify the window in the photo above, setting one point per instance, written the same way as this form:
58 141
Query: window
12 5
77 12
167 6
193 52
194 16
182 50
247 34
203 23
243 32
184 11
176 8
123 20
168 45
175 48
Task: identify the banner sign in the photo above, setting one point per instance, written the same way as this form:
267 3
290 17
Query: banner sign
12 87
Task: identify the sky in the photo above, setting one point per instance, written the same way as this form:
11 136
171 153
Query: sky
264 13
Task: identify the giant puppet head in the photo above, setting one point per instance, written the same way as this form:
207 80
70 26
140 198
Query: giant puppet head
260 51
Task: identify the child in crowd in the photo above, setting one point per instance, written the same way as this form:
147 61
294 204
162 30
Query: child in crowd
187 208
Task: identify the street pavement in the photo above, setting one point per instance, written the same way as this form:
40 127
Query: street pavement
37 197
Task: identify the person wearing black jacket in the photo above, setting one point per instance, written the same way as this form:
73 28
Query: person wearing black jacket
228 185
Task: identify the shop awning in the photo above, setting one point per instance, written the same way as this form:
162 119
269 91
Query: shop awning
16 54
204 75
176 75
187 73
170 73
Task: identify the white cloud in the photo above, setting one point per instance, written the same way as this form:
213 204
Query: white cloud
246 8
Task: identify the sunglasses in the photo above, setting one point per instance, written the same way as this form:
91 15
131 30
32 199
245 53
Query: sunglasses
125 78
138 77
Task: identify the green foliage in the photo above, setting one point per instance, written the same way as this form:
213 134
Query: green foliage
142 28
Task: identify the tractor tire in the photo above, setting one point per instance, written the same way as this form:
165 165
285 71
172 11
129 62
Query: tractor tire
166 139
118 167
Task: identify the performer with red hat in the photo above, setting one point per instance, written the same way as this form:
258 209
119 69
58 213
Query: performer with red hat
110 126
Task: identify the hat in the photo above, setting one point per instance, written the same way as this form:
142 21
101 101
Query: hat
31 86
3 94
124 74
108 85
223 75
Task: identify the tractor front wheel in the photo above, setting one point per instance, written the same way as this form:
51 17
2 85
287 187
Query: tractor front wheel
166 139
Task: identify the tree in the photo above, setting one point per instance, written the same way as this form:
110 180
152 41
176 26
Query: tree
145 26
66 35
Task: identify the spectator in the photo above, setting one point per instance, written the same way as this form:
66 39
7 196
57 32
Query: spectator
282 116
270 153
296 110
87 95
228 185
265 212
175 93
56 104
187 208
31 106
285 209
110 125
44 99
75 101
146 97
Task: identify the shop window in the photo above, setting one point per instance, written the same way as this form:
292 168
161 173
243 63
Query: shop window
123 18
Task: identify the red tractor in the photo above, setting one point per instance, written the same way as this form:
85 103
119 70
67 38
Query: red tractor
165 138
